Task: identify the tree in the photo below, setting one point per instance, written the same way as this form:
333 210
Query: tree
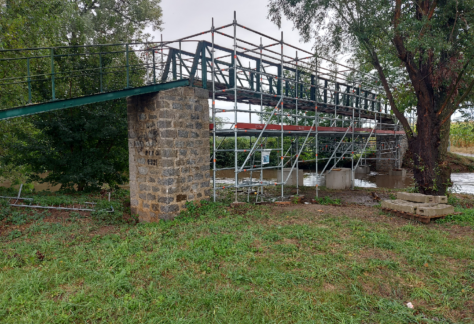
422 52
87 150
84 146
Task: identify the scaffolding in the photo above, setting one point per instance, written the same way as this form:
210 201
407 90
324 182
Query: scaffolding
324 109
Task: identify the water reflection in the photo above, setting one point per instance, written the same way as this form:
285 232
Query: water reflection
463 182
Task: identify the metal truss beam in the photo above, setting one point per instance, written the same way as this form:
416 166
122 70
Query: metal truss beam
81 101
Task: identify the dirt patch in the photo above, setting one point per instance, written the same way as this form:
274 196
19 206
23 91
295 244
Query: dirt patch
465 150
104 230
328 287
319 210
363 197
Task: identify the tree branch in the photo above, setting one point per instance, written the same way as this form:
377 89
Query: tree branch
454 87
383 79
468 90
403 54
430 14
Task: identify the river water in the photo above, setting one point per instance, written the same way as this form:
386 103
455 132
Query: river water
463 182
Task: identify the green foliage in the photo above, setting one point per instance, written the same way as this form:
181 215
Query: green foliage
86 147
462 134
226 159
465 218
104 214
83 147
17 216
327 201
202 209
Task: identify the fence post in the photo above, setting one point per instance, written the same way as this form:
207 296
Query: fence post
128 68
52 75
29 79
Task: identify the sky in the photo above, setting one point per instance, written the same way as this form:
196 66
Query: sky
186 17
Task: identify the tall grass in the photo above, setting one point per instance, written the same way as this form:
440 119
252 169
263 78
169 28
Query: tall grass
462 134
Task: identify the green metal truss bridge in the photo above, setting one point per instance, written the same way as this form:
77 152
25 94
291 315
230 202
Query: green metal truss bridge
36 80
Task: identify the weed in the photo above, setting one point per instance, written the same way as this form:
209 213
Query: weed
295 200
13 235
328 201
465 218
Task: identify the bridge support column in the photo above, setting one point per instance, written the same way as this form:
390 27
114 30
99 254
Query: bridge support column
394 148
168 151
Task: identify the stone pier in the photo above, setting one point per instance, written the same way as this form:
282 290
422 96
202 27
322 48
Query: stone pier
395 161
168 150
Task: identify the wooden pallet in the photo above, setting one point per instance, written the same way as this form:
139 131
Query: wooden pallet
419 218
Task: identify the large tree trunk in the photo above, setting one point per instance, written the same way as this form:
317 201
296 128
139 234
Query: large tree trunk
429 149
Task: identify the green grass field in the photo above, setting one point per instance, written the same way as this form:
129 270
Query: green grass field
252 264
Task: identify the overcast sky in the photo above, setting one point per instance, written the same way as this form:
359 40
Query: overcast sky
186 17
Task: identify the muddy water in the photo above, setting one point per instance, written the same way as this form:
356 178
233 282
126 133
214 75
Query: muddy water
463 182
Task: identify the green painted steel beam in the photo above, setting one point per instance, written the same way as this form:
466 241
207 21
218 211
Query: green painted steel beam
81 101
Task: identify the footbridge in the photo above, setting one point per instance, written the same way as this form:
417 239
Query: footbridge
224 83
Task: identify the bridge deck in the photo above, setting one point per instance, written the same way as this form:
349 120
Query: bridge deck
248 129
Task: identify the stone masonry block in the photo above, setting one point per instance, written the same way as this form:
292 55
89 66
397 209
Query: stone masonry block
168 133
201 93
403 206
415 197
168 151
163 124
441 199
169 209
435 210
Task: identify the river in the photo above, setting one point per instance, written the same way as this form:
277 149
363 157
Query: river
463 182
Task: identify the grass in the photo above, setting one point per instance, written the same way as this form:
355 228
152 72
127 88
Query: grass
326 200
463 204
248 264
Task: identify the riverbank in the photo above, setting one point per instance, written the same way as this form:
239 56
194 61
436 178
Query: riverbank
347 262
460 163
463 150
